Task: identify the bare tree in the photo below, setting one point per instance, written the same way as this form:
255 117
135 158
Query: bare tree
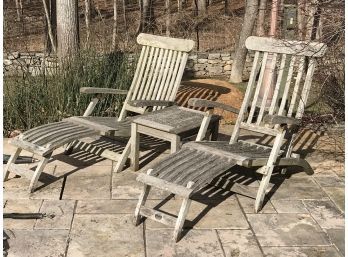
260 29
48 12
88 20
114 31
241 51
201 6
167 17
67 28
19 9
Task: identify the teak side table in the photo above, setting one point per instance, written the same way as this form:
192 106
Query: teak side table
172 124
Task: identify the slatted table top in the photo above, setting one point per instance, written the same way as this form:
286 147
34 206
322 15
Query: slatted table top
173 119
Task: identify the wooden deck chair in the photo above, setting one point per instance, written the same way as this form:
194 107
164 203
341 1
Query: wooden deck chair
291 64
157 78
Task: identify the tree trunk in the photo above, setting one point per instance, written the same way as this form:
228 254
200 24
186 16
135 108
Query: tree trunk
114 31
301 18
49 21
260 30
167 17
19 9
88 20
241 52
179 5
201 7
67 29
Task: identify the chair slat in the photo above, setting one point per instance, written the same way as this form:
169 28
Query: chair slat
306 88
164 76
155 76
297 85
277 86
247 96
145 76
287 85
150 78
180 72
267 88
160 74
258 87
139 73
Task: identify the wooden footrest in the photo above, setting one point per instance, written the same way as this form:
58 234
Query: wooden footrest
21 171
44 139
157 216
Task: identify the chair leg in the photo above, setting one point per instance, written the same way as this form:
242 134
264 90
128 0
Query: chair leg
262 190
215 131
181 218
123 158
12 159
141 202
38 171
185 206
142 199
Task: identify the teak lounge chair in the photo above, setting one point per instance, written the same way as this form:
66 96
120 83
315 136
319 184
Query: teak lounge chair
157 78
291 64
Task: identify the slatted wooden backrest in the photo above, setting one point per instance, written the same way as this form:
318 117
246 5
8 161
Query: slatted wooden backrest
290 66
159 70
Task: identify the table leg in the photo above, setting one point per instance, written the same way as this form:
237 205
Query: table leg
134 147
175 144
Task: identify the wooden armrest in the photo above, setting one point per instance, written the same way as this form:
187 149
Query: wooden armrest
197 102
99 90
279 119
148 103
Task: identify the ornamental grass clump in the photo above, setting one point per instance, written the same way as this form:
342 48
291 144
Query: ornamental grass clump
53 93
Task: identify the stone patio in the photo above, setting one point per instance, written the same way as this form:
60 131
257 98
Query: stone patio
93 210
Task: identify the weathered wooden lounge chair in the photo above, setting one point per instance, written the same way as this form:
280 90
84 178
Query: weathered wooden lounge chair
157 78
291 65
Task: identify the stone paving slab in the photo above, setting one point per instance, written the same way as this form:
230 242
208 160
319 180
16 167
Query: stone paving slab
248 205
21 206
88 171
318 251
106 206
62 210
34 243
329 181
325 214
207 215
125 186
289 206
337 195
287 230
239 243
105 235
47 188
194 243
337 238
87 187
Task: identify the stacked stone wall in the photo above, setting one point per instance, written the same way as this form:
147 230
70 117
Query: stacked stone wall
199 65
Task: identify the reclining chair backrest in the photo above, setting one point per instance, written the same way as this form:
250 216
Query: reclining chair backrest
159 70
279 82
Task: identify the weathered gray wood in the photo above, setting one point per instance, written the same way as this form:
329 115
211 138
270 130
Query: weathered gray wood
297 86
157 216
37 173
11 161
197 102
182 215
91 106
102 90
123 158
246 100
272 45
148 103
164 185
142 199
166 42
134 142
279 119
21 171
204 126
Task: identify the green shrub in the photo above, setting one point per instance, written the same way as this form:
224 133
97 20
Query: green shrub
30 101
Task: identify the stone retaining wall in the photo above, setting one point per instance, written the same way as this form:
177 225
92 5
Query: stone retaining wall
199 65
